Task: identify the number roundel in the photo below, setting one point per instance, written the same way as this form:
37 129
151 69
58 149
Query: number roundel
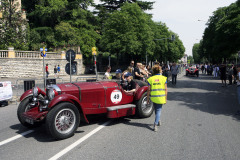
116 96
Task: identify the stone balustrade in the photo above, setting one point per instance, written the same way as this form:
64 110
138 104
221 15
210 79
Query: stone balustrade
25 64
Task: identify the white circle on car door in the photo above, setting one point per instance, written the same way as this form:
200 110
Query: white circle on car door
116 96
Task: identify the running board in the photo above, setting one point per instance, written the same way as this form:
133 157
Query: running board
121 110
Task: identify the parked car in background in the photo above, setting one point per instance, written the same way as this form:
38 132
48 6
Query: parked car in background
61 106
192 70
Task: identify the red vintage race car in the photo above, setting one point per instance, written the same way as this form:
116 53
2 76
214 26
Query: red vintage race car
193 70
61 105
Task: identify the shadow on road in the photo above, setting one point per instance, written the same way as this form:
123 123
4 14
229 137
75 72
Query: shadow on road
205 94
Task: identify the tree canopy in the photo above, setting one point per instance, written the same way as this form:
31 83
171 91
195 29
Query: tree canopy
221 37
120 28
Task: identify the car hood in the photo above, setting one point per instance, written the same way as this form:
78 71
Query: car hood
66 87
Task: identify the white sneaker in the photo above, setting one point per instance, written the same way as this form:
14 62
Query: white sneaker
155 128
159 123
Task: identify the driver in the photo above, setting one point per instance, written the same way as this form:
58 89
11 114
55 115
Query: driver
131 86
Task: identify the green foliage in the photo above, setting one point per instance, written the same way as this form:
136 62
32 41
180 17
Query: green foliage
195 52
113 5
127 32
13 26
191 59
221 37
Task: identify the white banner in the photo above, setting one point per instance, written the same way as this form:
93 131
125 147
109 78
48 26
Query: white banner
5 91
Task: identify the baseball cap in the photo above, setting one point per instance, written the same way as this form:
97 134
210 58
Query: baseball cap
118 71
128 74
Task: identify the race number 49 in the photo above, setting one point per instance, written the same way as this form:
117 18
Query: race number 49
116 96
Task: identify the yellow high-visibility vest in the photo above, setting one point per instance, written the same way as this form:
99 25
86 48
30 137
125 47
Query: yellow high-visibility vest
157 83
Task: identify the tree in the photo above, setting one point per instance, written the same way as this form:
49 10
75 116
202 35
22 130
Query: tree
127 32
62 23
13 26
195 53
221 37
190 59
113 5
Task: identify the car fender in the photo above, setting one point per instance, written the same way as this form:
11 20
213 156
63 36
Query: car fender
30 93
26 94
140 92
67 98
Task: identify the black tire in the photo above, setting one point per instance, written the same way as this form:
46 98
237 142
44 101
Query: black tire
186 73
23 107
143 110
59 116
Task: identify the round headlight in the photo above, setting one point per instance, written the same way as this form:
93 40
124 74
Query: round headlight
35 91
51 94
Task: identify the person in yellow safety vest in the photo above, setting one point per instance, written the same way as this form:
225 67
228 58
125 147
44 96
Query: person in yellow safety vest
157 85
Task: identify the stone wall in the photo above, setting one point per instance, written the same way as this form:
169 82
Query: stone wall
26 66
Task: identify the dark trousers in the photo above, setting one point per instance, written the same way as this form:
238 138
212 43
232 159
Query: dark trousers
230 79
174 78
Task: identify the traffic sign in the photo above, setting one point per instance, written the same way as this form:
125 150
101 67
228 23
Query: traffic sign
43 51
94 52
71 53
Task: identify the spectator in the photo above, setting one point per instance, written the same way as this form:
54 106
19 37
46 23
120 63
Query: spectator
230 75
223 75
157 87
205 68
107 74
235 72
58 70
174 71
215 71
202 68
46 69
238 86
55 71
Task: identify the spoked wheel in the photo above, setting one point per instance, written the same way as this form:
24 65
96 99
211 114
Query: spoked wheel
62 121
144 110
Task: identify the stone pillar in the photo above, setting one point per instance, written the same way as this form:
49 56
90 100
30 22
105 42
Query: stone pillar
63 55
11 52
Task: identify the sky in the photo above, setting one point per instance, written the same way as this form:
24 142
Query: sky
187 18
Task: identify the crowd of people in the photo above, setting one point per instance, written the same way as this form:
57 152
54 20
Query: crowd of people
56 71
142 72
223 71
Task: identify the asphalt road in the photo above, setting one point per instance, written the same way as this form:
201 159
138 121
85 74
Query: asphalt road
199 122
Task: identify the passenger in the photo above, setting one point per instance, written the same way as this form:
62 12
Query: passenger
107 74
132 68
131 86
137 71
118 74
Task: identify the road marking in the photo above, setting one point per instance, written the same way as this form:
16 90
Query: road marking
15 137
67 149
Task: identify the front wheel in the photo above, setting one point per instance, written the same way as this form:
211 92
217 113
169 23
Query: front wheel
63 120
24 107
144 110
